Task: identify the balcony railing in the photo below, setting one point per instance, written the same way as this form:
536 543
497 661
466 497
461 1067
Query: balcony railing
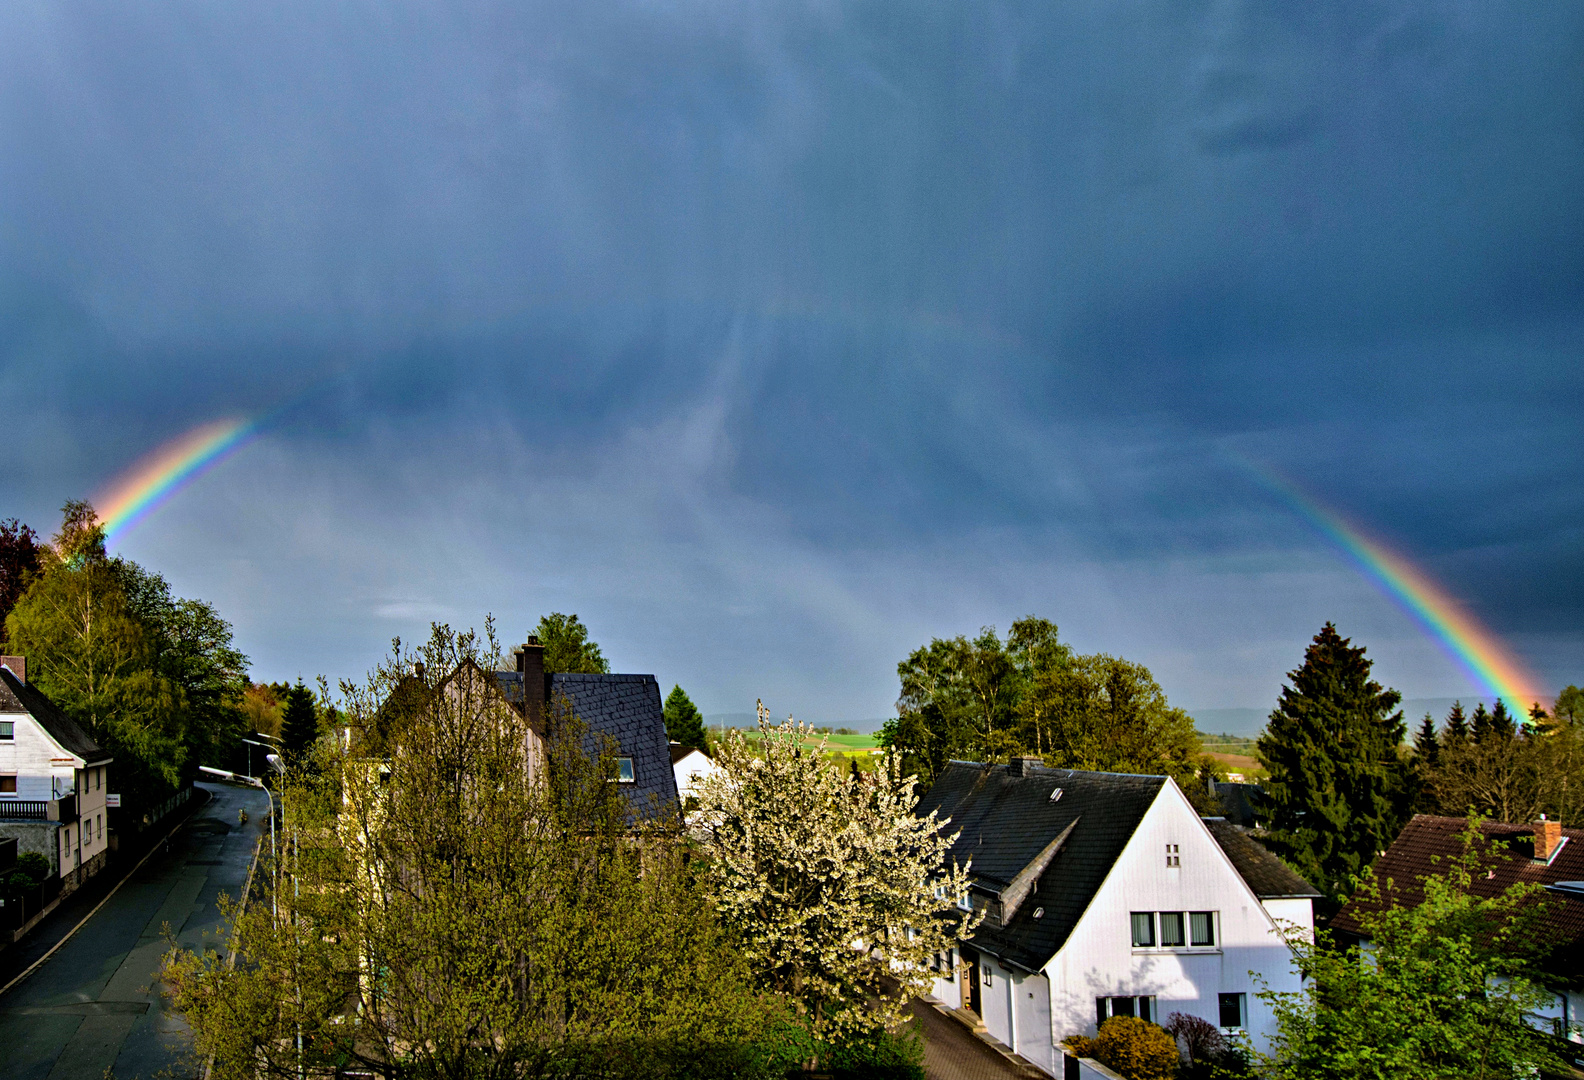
61 809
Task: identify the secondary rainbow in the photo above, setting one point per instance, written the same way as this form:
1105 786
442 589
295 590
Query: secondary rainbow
144 487
1459 633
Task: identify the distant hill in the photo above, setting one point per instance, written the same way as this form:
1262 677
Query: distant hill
1248 723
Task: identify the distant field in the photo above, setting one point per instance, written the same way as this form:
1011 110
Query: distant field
1240 763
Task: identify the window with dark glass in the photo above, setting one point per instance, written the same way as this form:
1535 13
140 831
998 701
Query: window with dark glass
1171 926
1201 925
1143 929
1232 1009
1141 1007
7 785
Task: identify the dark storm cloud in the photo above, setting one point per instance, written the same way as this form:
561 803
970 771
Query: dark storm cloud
1036 269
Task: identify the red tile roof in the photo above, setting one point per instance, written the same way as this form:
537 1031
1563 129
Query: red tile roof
1426 838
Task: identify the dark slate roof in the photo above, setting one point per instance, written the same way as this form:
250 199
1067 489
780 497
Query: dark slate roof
1268 876
1237 804
627 708
18 696
1427 845
678 752
1005 820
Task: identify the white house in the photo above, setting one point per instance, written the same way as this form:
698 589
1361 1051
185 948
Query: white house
690 765
1107 894
53 780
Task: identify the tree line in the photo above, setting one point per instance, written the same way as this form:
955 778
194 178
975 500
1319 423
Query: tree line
989 699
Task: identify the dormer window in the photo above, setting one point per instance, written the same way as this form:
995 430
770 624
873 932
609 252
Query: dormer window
624 770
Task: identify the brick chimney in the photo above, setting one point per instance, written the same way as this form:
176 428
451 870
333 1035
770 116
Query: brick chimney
536 684
1547 837
18 666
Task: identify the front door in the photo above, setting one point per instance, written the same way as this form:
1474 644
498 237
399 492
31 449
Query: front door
970 982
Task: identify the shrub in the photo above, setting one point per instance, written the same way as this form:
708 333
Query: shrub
882 1055
1208 1054
1137 1049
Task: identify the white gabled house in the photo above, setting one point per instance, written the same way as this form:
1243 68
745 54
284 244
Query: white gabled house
53 780
1107 894
690 765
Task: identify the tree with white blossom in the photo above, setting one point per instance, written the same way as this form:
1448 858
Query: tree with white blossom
841 896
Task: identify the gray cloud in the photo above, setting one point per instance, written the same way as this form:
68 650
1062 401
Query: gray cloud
781 336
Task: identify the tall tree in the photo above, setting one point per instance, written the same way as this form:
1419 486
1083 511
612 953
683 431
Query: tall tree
1426 744
568 647
473 916
1338 790
299 723
1569 704
1457 729
805 859
93 653
683 722
19 561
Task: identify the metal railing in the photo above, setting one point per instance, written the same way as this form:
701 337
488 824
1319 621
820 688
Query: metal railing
61 809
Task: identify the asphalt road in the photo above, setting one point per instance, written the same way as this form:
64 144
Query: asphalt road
94 1005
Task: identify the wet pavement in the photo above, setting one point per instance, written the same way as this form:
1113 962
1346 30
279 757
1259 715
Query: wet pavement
94 1005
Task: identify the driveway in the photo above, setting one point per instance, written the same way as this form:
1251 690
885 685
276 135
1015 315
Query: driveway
952 1052
94 1005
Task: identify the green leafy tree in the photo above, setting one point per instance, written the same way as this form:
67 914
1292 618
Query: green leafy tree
683 722
1338 791
984 700
91 653
1442 992
299 723
568 648
19 561
472 908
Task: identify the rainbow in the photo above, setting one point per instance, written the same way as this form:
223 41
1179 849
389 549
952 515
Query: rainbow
1470 645
145 486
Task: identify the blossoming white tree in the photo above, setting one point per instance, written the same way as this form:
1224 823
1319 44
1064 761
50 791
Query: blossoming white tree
840 895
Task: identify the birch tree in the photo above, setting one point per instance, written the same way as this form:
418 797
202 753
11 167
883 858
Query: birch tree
839 894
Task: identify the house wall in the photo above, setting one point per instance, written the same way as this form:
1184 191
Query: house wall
1099 960
690 770
40 836
39 765
1296 913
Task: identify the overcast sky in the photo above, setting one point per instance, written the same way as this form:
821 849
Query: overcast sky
775 339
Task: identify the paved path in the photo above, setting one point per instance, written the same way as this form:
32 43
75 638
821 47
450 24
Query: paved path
94 1005
952 1052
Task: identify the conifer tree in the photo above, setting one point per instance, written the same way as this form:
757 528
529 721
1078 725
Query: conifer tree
683 722
1426 742
1481 727
1456 725
1338 790
299 723
1501 721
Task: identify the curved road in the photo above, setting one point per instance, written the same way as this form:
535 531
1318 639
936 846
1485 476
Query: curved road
94 1005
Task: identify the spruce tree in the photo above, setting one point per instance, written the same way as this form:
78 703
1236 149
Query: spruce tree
1481 727
1338 790
1426 743
683 722
1456 725
299 723
1501 721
